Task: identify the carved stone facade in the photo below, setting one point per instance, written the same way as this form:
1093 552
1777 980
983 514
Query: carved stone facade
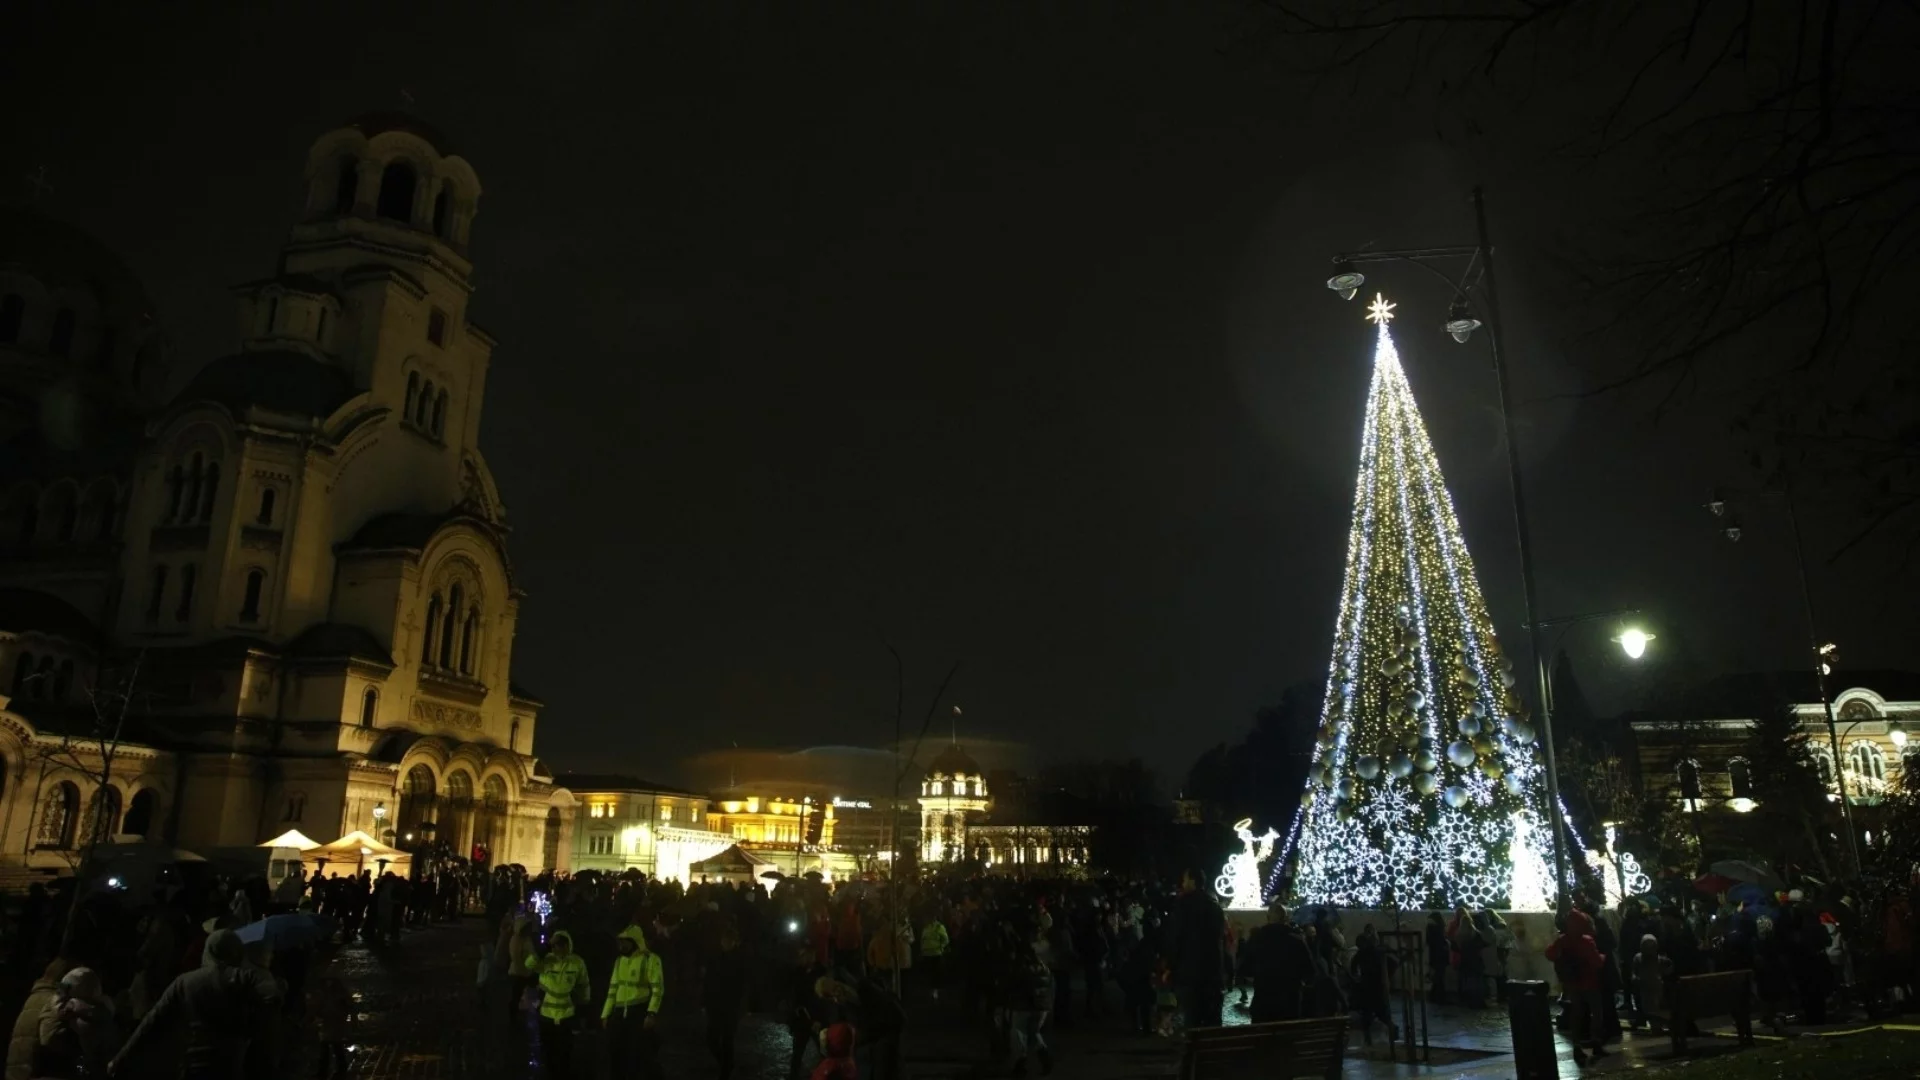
303 549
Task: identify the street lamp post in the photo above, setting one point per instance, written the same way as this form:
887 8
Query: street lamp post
1822 654
1460 325
1632 640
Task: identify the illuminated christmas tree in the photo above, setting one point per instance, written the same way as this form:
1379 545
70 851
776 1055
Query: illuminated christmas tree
1426 789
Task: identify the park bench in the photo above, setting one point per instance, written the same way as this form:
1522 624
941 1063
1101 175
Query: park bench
1283 1050
1704 997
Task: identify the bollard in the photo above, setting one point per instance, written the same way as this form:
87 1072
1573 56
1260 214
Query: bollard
1530 1016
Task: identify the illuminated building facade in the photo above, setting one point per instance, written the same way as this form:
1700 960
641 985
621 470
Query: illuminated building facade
956 825
626 823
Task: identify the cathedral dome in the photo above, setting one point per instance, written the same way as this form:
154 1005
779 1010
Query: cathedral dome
73 317
381 122
953 761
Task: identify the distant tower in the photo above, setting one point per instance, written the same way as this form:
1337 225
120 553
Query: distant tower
954 788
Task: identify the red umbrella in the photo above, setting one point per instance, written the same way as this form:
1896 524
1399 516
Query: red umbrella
1714 884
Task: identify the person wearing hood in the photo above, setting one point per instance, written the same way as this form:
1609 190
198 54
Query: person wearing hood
222 1004
634 993
78 1034
25 1044
1578 962
563 988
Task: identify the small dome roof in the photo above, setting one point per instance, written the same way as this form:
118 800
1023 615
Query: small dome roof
374 123
279 379
27 610
953 761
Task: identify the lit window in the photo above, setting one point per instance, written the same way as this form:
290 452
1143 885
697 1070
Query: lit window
1864 760
938 787
666 811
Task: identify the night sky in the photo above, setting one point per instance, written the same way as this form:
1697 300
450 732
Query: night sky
995 332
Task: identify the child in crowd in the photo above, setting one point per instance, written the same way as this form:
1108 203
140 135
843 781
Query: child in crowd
1650 973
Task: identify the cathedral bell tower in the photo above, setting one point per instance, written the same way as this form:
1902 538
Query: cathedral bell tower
374 278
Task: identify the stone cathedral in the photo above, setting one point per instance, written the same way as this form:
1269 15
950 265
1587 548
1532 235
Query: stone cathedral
286 584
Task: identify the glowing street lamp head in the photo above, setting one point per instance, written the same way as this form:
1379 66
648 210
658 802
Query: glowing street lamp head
1634 643
1346 280
1897 732
1460 321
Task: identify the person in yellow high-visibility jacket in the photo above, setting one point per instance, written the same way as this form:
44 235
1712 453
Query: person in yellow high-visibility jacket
634 994
563 986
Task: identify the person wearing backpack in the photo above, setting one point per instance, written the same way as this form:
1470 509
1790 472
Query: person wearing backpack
1577 962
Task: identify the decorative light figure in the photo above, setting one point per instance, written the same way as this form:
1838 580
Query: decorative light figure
1239 880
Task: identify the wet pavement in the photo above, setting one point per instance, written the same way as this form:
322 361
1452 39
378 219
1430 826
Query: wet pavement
418 1014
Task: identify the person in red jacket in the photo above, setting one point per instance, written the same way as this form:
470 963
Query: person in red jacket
1578 963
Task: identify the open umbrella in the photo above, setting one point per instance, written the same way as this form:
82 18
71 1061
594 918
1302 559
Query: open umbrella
1741 870
1714 884
292 931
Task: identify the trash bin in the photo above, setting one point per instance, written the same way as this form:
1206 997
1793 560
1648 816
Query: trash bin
1530 1014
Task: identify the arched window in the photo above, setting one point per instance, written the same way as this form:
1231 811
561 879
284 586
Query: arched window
346 185
296 806
436 326
250 602
185 610
493 793
440 414
176 491
43 679
157 593
273 315
26 508
468 633
23 670
423 409
63 680
212 486
1865 761
413 394
63 513
103 813
443 212
265 517
12 308
139 813
1689 773
320 328
396 192
433 624
58 815
1823 764
369 706
196 472
1740 778
448 625
60 341
460 787
550 846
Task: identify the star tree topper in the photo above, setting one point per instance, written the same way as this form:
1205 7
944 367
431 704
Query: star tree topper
1379 311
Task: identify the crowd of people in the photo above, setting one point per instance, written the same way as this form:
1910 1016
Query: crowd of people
581 966
192 984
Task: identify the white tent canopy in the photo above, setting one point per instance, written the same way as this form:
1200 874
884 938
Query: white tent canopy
357 851
292 838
